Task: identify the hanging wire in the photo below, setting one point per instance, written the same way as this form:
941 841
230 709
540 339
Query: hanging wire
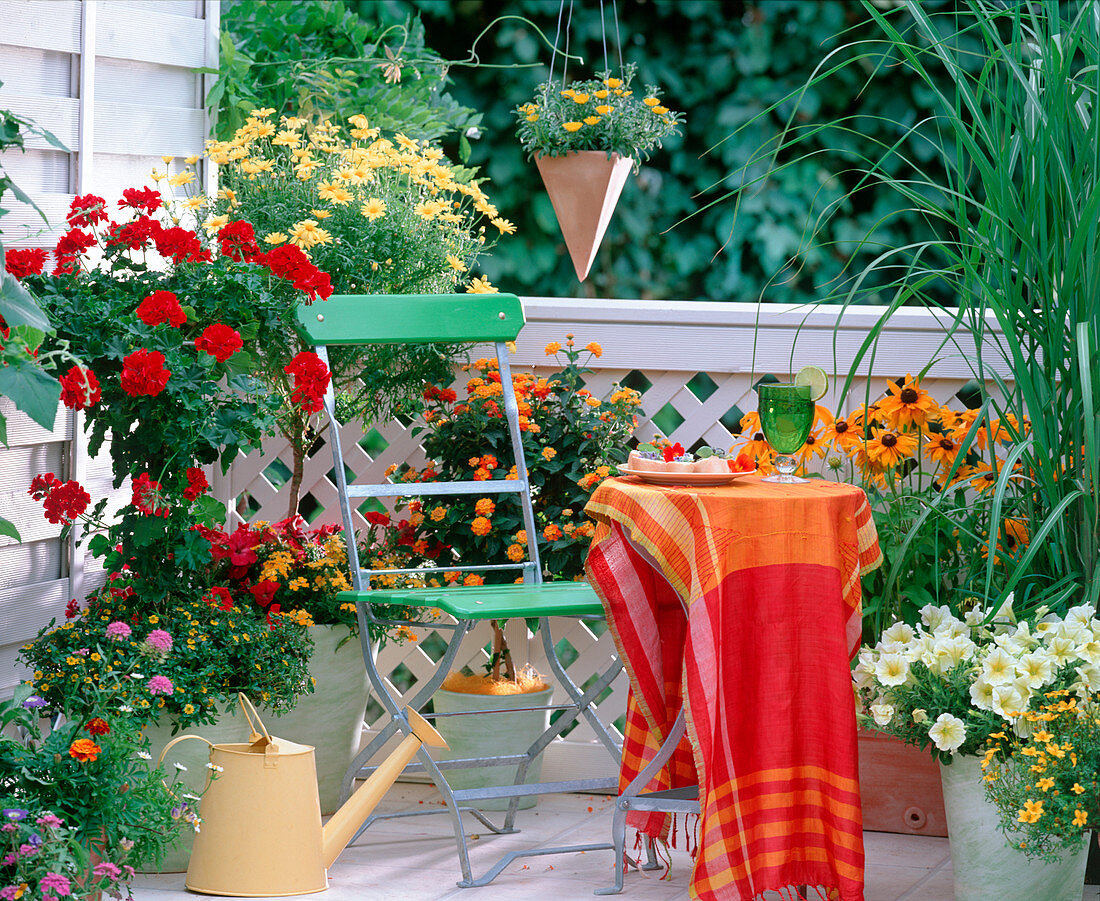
603 37
565 60
554 52
618 40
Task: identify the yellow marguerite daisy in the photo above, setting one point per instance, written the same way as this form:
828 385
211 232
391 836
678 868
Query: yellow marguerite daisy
215 224
336 193
183 178
481 286
373 209
506 227
275 238
455 263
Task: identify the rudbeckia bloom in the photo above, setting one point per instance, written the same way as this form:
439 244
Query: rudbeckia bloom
907 404
888 448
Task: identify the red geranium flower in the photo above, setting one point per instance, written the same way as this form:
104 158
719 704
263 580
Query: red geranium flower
86 211
196 483
22 262
143 372
240 550
289 262
220 341
377 519
72 609
237 241
134 235
161 306
145 199
63 502
42 485
311 378
180 245
79 388
148 496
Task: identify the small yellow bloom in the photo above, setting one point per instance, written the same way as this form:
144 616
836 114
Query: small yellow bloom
506 227
335 193
660 110
321 214
651 101
167 159
481 286
601 94
1080 817
373 209
603 109
183 178
612 82
215 224
580 98
568 92
275 238
455 263
572 126
591 120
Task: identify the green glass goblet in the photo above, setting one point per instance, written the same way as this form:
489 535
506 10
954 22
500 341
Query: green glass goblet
786 416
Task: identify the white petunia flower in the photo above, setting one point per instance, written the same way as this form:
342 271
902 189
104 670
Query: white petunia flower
950 652
882 713
981 694
899 634
892 669
935 617
948 732
1008 701
1062 649
1089 674
1036 668
920 715
1082 615
999 667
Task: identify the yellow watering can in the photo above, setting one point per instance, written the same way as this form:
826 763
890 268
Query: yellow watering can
261 818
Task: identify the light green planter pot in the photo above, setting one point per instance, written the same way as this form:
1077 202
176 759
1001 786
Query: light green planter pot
330 719
491 736
986 867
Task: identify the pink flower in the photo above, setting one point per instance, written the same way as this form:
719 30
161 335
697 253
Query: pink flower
55 882
159 640
159 685
49 820
107 869
118 630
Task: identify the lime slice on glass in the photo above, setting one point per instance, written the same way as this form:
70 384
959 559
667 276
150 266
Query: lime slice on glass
814 378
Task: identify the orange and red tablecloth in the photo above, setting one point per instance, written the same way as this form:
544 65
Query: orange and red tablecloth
769 577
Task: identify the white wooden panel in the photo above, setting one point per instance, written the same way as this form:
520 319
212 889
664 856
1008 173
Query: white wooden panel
23 226
127 81
192 8
39 171
30 562
147 130
46 24
113 172
26 70
144 33
23 431
21 464
11 673
59 115
24 612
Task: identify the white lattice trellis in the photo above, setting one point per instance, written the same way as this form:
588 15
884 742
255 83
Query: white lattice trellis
734 345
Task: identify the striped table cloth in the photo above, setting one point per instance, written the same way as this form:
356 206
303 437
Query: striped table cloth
769 576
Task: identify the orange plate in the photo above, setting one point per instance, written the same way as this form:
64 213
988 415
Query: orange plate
700 479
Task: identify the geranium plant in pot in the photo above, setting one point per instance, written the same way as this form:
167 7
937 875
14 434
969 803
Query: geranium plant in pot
570 439
585 138
379 215
952 685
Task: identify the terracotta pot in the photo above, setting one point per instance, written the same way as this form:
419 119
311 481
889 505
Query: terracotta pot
584 187
899 787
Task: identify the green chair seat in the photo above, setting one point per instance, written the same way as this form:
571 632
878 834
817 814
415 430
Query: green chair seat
492 601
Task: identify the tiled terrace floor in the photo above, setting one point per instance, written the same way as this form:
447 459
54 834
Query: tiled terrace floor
414 860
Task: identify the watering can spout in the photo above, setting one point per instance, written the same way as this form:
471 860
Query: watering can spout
339 830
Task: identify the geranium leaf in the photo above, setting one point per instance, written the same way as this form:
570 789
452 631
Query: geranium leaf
33 391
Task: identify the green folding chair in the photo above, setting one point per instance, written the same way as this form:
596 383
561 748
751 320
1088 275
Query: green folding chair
459 318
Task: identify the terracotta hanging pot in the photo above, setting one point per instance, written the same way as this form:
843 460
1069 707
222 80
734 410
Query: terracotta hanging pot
584 187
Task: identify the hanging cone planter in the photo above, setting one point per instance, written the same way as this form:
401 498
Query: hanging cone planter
584 187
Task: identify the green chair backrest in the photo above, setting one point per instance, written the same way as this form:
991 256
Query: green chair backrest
411 318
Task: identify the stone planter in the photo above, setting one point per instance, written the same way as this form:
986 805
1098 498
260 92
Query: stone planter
491 736
986 867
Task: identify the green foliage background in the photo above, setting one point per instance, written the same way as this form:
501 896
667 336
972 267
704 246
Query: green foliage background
722 62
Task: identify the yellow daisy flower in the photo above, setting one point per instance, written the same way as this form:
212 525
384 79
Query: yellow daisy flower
373 209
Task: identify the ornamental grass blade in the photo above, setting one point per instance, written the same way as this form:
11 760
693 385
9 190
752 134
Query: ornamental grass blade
584 188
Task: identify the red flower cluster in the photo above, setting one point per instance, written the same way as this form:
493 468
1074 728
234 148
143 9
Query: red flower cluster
180 245
290 263
237 241
311 377
144 199
79 388
149 497
161 306
24 262
72 609
196 483
69 246
134 235
220 341
63 501
143 372
86 211
443 395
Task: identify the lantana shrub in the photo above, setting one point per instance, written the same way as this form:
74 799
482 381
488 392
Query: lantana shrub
571 438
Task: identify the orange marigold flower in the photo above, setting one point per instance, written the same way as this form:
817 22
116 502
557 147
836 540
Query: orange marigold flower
515 552
907 404
85 750
592 401
481 526
593 348
551 532
484 507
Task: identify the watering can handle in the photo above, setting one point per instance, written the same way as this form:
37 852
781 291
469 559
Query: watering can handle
246 707
176 741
